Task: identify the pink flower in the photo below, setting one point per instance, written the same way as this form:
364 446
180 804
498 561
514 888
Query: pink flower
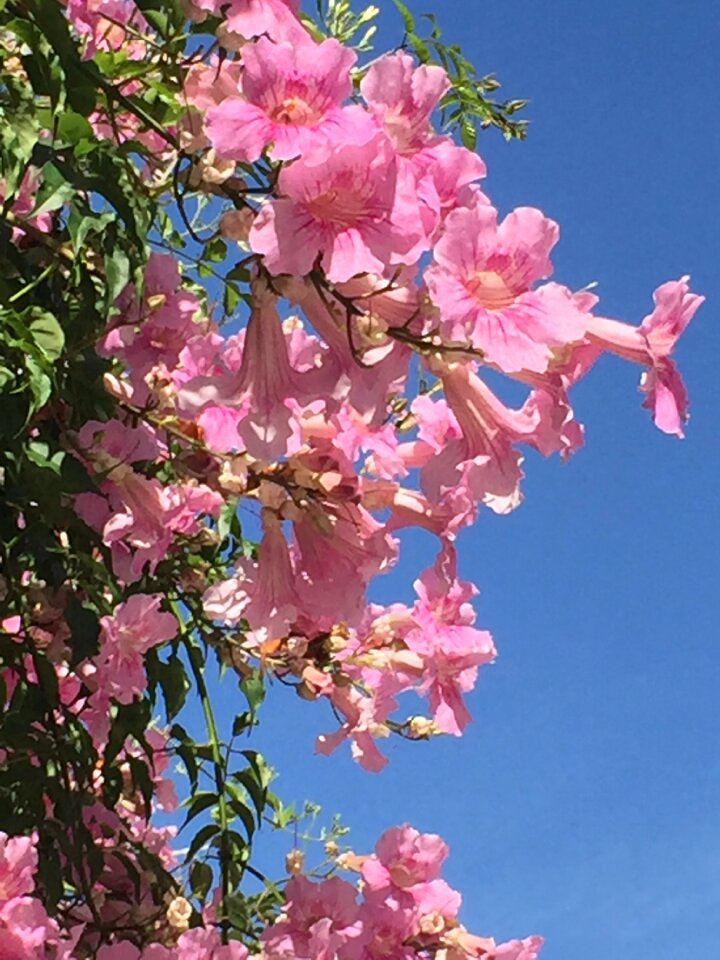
320 919
22 204
260 396
341 207
402 97
451 647
364 716
482 281
274 602
135 627
383 370
18 863
291 96
152 333
527 949
405 857
205 943
253 18
482 455
651 344
25 929
124 950
447 173
103 23
340 548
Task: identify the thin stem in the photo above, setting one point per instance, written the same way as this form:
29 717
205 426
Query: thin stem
219 766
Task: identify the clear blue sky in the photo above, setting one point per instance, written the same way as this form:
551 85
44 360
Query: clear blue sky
584 801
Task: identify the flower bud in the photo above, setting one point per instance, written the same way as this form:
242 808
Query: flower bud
179 913
295 861
235 224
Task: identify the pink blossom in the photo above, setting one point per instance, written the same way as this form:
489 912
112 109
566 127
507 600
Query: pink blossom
253 18
260 391
343 209
484 453
205 943
383 370
22 205
25 929
527 949
290 102
104 23
135 627
152 333
444 636
274 600
18 863
446 174
124 950
364 716
651 344
403 96
208 83
405 857
320 919
340 548
482 280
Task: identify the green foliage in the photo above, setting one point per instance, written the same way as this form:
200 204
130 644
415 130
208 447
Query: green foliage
337 19
467 105
107 203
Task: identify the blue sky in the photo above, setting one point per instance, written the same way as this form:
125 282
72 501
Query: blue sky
583 801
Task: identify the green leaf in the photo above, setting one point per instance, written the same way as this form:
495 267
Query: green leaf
73 127
468 133
408 18
117 272
201 801
84 630
47 334
203 836
201 878
174 684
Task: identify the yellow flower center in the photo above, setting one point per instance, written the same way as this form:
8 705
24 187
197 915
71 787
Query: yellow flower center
491 290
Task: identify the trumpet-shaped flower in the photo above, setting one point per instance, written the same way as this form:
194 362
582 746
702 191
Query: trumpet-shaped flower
342 209
402 97
481 283
651 344
290 102
134 627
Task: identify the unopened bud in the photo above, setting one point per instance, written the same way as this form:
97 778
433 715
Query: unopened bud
295 861
332 848
421 727
432 924
179 913
235 224
305 691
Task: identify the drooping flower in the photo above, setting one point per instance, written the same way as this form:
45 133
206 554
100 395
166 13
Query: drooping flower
651 344
135 627
260 397
451 647
109 25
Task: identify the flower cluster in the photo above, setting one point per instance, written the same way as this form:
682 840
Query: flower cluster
383 299
373 226
406 910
